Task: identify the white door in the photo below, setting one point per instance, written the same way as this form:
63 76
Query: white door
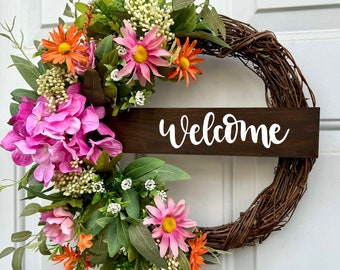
222 187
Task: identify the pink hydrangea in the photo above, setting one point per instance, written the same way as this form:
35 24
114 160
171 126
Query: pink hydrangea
57 140
59 225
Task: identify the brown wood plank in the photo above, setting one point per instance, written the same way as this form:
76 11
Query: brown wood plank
291 132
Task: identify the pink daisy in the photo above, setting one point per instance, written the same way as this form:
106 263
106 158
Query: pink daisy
143 56
170 221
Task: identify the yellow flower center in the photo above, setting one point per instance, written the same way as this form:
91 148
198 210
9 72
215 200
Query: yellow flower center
141 54
64 48
185 64
169 224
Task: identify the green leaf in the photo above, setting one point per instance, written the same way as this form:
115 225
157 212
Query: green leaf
30 209
133 208
96 251
73 202
123 233
205 36
13 108
214 20
43 249
17 258
141 239
179 4
166 172
142 166
6 251
170 172
17 94
68 11
183 261
24 180
104 47
112 239
27 70
21 236
184 19
102 222
82 7
92 224
92 88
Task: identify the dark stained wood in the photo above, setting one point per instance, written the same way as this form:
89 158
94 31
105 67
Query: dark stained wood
138 131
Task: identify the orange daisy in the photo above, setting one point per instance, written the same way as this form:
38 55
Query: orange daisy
65 48
186 61
84 241
198 248
71 257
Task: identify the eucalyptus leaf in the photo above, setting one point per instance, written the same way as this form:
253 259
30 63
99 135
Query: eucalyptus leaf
21 236
17 258
141 239
6 251
30 209
179 4
133 208
27 70
142 166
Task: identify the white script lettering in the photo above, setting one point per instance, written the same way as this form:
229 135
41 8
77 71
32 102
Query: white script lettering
231 129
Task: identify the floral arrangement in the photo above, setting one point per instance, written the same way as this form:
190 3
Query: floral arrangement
99 214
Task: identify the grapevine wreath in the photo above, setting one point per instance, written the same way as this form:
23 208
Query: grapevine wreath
121 218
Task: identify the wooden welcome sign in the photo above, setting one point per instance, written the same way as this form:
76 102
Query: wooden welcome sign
280 132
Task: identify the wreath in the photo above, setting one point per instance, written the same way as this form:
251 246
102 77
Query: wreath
121 218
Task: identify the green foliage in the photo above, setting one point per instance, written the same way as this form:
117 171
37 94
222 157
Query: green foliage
180 4
17 94
7 251
92 88
27 70
185 19
133 208
21 236
30 209
142 241
142 166
17 258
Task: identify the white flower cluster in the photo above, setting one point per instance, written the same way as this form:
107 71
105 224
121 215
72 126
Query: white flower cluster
114 208
126 184
140 98
98 187
145 14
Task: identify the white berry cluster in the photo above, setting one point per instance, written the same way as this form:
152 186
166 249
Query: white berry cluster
145 14
51 85
75 184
